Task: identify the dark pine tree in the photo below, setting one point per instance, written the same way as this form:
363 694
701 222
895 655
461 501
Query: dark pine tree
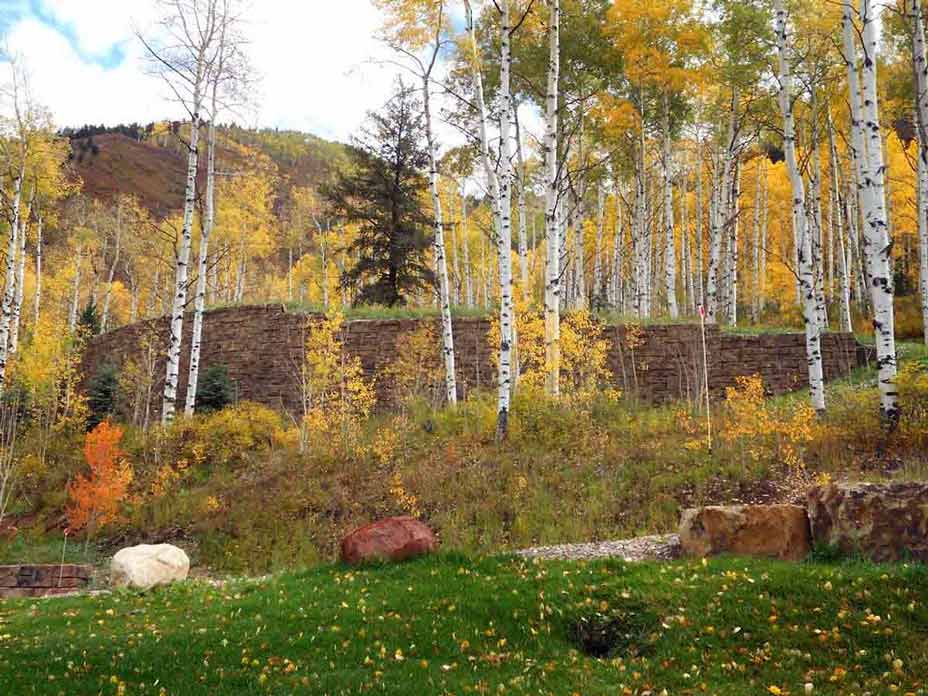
384 191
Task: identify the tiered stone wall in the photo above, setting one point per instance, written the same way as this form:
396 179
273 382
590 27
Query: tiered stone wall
42 580
261 346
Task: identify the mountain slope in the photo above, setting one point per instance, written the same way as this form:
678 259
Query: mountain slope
153 169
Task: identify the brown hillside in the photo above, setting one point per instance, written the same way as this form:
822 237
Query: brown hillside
112 163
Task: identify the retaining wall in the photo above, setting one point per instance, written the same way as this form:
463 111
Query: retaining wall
261 347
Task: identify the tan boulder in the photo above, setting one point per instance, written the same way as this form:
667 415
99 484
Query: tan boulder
390 539
882 521
144 566
766 531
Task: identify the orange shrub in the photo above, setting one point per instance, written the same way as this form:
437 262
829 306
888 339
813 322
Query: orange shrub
95 498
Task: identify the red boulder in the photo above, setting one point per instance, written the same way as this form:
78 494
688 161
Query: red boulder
390 539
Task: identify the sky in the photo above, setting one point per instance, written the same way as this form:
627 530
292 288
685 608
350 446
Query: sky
320 66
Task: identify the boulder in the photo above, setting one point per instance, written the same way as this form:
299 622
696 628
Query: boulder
882 521
144 566
390 539
766 531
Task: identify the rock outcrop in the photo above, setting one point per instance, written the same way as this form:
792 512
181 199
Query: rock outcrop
766 531
882 521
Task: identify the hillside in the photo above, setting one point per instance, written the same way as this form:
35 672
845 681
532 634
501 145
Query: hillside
153 168
112 163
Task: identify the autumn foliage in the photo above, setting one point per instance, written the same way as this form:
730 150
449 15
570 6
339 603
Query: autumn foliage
95 499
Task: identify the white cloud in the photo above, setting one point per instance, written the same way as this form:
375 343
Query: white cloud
79 92
317 61
100 24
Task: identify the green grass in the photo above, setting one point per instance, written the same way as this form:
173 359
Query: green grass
50 549
450 625
374 311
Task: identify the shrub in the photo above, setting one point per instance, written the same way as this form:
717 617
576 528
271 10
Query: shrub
755 428
912 384
584 371
417 373
95 499
336 396
214 391
223 438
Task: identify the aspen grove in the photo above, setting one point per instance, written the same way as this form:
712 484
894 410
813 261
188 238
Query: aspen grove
760 162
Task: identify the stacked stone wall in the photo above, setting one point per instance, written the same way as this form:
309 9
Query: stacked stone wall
262 349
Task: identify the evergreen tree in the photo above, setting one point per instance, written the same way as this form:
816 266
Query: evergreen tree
384 192
89 320
215 392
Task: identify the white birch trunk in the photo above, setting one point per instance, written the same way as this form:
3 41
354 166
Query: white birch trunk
699 265
438 243
765 215
182 263
733 239
470 300
75 290
840 211
20 283
821 309
670 258
718 195
641 235
111 276
877 248
618 296
199 304
504 242
552 224
755 246
523 231
598 259
807 278
718 218
689 288
37 302
9 294
920 69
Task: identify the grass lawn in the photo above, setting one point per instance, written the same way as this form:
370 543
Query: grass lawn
452 625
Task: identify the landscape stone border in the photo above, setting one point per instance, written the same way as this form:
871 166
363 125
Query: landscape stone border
25 580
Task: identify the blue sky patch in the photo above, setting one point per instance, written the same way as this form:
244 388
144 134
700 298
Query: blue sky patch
12 11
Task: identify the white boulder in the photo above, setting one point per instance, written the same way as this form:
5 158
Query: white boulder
146 565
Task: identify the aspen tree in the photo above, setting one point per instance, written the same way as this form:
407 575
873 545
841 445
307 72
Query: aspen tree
552 225
22 126
803 234
670 262
920 70
868 153
523 231
841 212
39 246
19 294
227 73
185 60
504 241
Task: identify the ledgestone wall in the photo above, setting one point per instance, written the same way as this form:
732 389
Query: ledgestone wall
262 349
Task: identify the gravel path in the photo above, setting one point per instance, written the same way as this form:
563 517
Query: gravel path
663 547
